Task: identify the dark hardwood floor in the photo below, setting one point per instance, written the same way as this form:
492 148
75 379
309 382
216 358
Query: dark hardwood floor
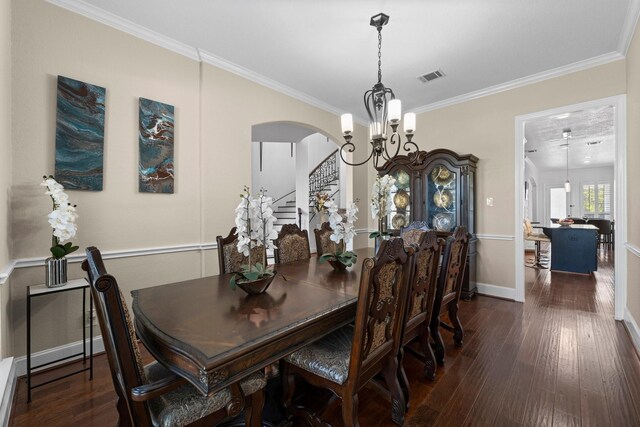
559 359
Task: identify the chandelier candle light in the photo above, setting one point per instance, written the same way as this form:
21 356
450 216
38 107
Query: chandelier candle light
384 110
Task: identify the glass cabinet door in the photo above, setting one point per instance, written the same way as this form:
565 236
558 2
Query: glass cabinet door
442 193
401 205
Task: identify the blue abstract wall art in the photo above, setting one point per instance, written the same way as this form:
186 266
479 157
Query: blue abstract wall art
79 135
156 147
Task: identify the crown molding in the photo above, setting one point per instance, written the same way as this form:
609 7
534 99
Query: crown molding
216 61
629 26
524 81
95 13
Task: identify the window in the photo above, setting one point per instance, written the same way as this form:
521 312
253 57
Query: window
596 200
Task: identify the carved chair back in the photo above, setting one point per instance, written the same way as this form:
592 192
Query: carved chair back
415 225
422 288
127 370
453 266
324 244
381 304
229 259
292 244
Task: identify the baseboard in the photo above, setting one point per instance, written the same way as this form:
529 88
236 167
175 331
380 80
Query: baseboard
633 329
7 388
496 291
51 354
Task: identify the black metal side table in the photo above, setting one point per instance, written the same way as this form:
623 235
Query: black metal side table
42 290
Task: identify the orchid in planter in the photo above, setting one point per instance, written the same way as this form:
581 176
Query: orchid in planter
254 222
381 202
343 230
62 219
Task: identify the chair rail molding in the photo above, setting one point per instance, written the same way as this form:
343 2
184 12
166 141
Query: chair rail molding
495 237
630 247
6 271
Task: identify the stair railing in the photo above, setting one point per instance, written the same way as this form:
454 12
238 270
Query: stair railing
322 175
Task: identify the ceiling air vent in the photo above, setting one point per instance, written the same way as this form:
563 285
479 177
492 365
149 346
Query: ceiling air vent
426 78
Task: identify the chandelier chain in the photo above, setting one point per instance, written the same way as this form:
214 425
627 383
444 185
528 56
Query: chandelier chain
380 55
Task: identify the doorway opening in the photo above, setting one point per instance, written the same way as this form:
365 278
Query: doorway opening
576 156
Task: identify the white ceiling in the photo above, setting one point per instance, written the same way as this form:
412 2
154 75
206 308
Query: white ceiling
327 51
544 136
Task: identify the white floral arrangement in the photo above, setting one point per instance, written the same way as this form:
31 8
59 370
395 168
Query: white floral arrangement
62 219
254 224
381 201
343 230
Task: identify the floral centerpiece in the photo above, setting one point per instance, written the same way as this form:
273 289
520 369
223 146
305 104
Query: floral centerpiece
343 230
63 221
321 199
254 222
381 202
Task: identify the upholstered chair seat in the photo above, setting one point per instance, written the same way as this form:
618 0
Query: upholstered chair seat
185 405
328 357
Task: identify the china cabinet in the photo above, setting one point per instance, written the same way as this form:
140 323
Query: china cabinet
437 187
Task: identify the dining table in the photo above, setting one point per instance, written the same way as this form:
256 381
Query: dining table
213 335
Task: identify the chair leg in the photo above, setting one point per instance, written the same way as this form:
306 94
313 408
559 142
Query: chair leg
398 404
429 357
123 412
458 333
288 386
253 409
438 342
402 379
350 410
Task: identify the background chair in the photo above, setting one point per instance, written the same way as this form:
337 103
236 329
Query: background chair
538 238
151 395
448 291
604 230
292 244
324 244
345 360
419 308
229 259
579 221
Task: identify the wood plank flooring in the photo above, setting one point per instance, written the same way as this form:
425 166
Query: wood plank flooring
558 360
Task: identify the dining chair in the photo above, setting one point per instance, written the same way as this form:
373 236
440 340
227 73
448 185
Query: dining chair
448 291
324 244
292 244
150 395
229 259
419 308
346 359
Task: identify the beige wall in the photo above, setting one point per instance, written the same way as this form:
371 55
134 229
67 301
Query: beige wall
486 127
633 173
214 113
5 162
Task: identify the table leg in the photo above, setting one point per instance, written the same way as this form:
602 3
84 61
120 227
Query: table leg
84 326
90 336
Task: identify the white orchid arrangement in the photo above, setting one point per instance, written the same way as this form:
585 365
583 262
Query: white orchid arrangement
343 230
62 219
254 223
381 201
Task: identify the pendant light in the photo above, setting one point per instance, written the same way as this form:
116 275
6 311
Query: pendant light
566 133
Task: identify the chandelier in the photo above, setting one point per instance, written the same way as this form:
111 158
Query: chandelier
566 134
384 111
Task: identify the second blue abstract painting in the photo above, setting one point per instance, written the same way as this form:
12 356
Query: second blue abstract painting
156 139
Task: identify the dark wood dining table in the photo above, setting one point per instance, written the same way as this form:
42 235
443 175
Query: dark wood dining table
213 335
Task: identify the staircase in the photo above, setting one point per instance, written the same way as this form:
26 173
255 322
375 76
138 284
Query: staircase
325 177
